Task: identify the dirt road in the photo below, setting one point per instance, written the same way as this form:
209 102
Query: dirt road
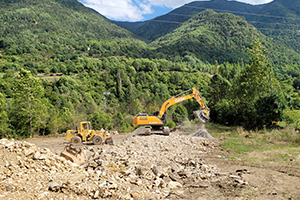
262 182
57 144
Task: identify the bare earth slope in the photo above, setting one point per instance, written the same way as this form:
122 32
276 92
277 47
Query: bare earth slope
142 167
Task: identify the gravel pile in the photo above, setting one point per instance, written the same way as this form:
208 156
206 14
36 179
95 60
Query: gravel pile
141 167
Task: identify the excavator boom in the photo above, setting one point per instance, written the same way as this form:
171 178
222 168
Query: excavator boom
177 99
142 119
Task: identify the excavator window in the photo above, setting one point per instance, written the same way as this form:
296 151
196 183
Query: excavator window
155 113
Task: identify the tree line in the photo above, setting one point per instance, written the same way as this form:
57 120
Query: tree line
110 91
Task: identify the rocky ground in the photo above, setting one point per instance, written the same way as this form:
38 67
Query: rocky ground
178 166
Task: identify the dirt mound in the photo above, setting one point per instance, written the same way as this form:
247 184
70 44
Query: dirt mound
202 133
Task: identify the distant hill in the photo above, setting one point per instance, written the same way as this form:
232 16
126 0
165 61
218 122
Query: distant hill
159 26
60 29
210 36
279 19
59 34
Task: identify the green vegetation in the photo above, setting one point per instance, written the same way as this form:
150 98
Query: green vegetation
210 36
250 96
50 36
162 25
60 68
134 85
277 147
278 19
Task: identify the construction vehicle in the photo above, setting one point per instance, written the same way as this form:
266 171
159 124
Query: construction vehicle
85 133
157 122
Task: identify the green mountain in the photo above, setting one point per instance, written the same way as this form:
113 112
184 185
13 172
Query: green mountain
159 26
52 35
278 19
61 30
76 65
210 36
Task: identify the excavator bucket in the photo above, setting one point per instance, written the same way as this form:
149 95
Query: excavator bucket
75 155
109 140
201 115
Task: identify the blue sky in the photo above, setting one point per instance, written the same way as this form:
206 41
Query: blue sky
140 10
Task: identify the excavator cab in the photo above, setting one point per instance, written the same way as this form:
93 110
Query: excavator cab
163 118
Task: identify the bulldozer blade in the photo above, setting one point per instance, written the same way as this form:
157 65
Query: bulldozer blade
201 115
73 154
109 140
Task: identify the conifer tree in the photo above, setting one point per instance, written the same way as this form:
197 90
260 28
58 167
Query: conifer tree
27 103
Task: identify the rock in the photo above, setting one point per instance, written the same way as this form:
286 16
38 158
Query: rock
141 170
9 144
138 168
235 177
54 186
29 152
202 133
134 195
96 195
4 141
157 171
37 155
174 184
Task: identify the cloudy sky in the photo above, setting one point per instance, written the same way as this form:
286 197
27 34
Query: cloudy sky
140 10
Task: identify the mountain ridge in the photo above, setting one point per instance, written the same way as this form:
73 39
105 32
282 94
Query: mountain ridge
271 18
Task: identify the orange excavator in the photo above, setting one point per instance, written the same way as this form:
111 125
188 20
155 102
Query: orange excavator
156 123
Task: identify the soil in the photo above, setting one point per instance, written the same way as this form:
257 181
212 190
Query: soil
264 182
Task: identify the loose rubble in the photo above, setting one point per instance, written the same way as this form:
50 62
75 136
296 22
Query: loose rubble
202 133
141 167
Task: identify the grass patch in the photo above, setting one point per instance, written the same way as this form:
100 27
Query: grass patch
268 147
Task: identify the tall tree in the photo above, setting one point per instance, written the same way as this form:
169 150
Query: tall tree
27 103
255 78
4 123
255 88
251 97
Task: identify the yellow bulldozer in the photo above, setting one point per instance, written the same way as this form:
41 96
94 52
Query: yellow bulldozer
85 133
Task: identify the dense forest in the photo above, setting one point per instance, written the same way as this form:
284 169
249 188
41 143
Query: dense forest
60 68
210 36
278 19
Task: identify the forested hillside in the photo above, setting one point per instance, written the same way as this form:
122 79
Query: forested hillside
160 26
278 19
210 36
62 63
40 32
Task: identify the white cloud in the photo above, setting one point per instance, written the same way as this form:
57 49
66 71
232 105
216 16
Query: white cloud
178 3
133 10
120 9
255 2
169 3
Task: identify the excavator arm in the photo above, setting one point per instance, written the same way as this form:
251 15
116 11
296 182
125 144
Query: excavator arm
177 99
202 115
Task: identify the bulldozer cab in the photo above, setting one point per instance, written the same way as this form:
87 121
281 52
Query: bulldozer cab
85 127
